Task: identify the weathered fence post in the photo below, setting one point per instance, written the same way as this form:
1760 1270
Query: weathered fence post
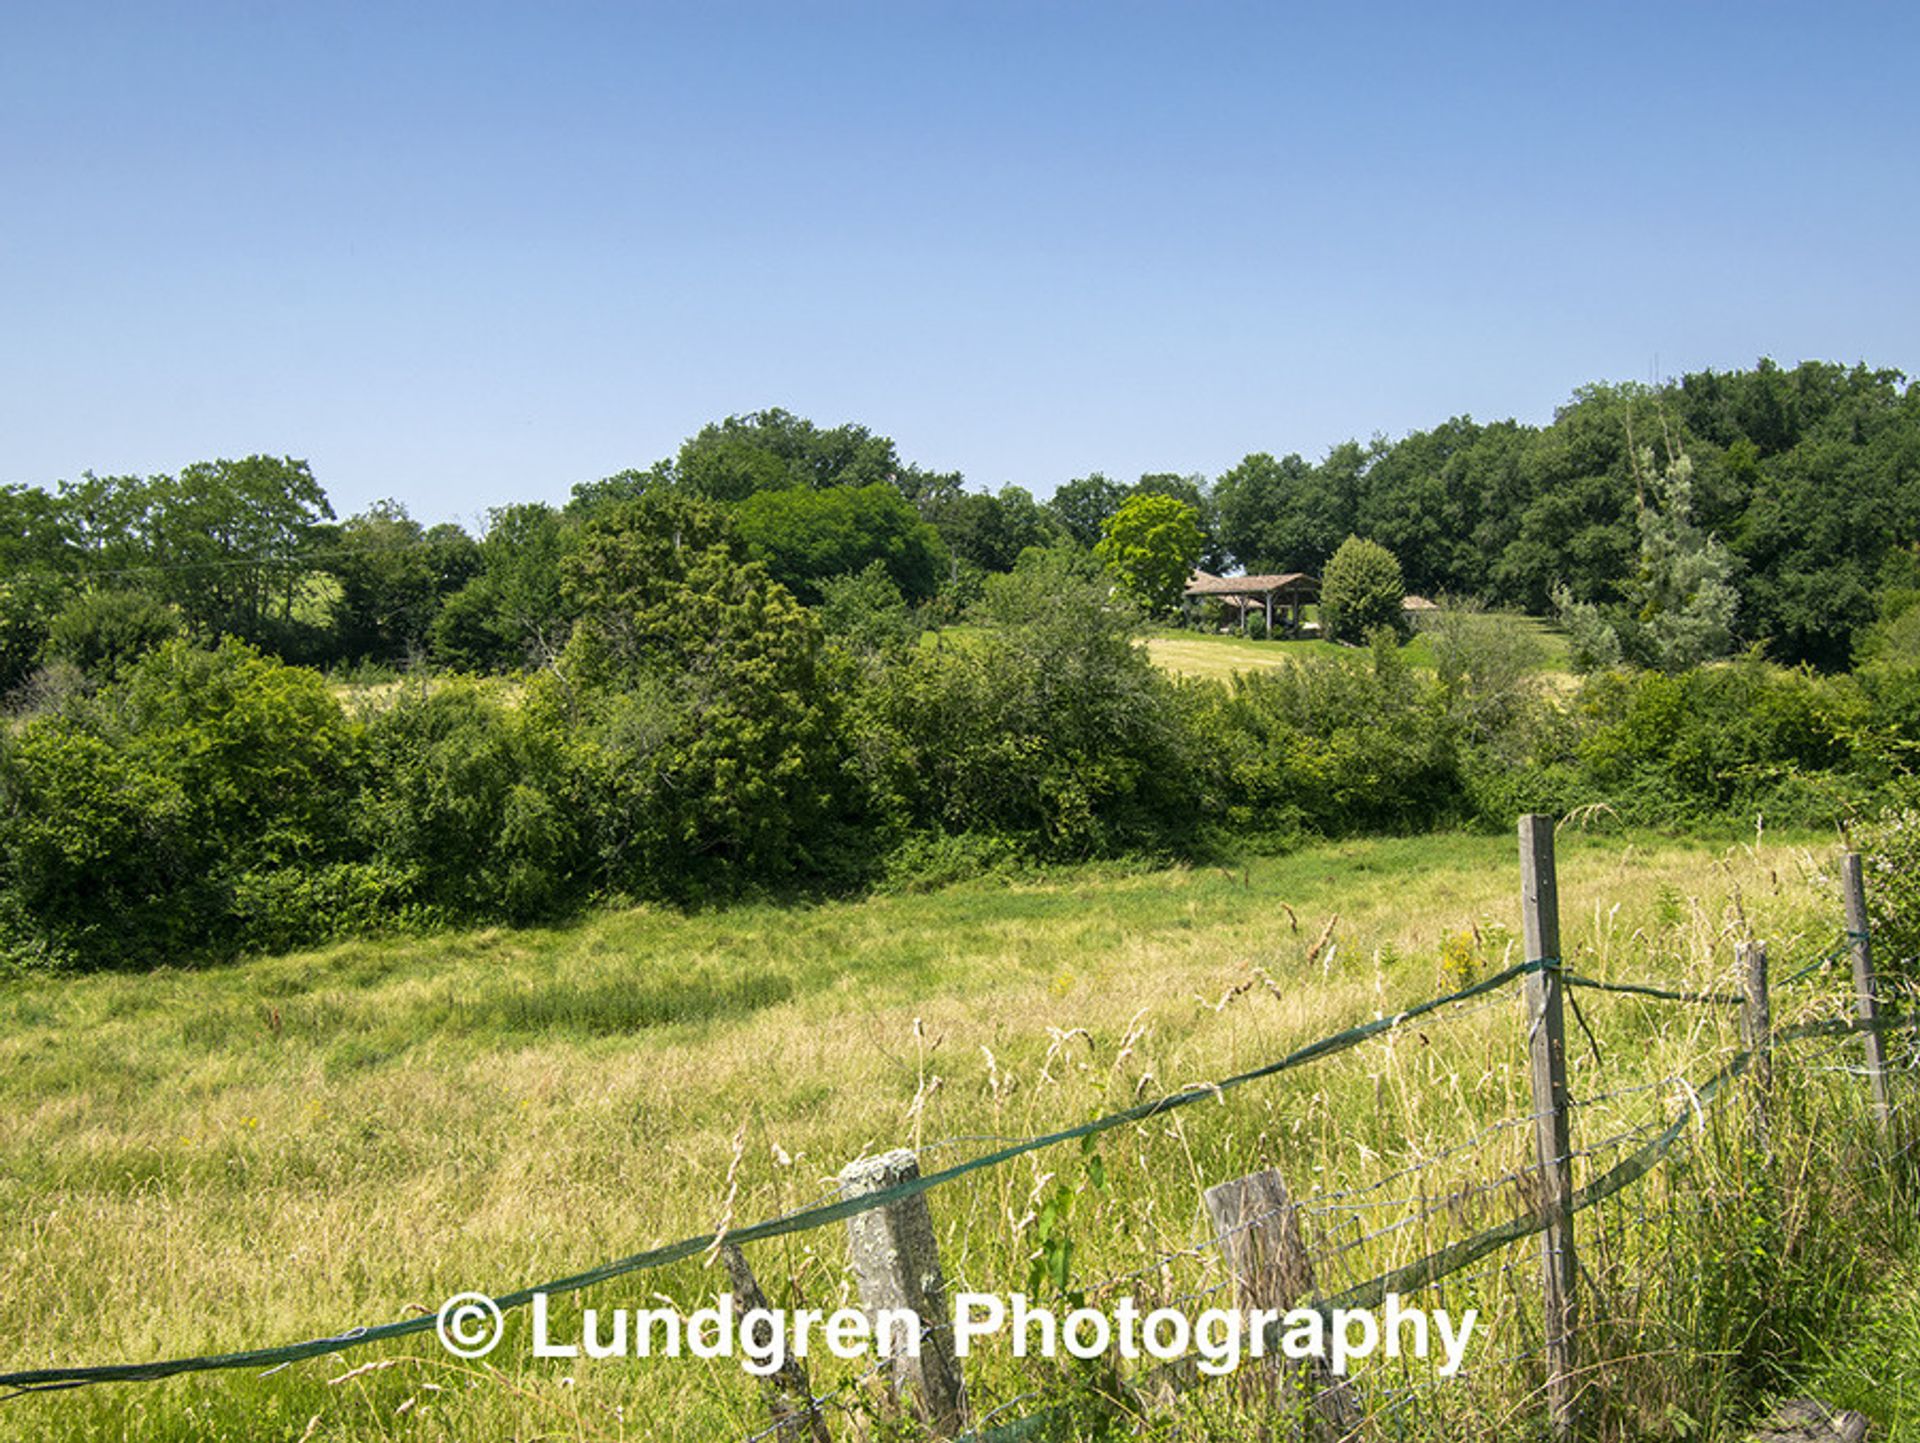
1866 1004
897 1265
788 1392
1552 1127
1756 1027
1259 1235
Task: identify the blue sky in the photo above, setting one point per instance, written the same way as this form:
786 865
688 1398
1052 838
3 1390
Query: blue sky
467 254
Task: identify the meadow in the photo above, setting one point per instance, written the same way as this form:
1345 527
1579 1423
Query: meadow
1218 655
241 1155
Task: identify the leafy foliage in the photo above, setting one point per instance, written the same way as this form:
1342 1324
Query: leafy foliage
1151 545
1361 591
805 536
102 632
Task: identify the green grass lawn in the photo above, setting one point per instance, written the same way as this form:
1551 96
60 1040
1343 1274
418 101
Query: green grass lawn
195 1161
1217 655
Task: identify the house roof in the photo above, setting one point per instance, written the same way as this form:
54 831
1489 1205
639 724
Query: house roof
1203 583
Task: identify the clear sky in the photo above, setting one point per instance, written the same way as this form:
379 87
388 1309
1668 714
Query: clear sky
466 254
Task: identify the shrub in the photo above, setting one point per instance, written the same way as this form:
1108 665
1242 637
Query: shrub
704 699
1053 729
102 632
1723 739
865 612
131 815
1361 592
462 796
1328 746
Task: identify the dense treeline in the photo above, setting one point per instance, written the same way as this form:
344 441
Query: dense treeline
702 734
1809 478
727 673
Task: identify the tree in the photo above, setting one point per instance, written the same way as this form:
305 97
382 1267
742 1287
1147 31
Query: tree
102 632
1150 546
394 576
1193 491
1083 505
714 739
805 536
228 541
514 611
1683 593
865 612
1361 591
774 449
990 531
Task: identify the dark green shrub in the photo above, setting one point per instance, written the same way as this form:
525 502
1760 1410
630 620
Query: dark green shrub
466 796
1053 728
102 632
1718 740
131 815
300 906
1329 746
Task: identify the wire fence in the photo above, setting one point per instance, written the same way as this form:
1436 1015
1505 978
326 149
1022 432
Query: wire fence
1419 1225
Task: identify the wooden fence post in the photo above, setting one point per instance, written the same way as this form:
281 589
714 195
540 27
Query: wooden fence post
1866 1004
1756 1027
897 1264
1552 1128
789 1394
1259 1235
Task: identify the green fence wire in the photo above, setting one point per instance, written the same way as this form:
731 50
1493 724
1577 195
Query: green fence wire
45 1379
1415 1274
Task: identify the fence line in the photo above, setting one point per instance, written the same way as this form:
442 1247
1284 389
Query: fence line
1543 976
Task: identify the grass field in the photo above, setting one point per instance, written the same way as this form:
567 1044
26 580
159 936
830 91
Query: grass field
282 1148
1210 654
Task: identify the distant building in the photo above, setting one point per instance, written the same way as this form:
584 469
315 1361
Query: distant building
1242 594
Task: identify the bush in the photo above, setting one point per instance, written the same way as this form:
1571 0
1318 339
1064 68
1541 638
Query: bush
865 612
463 805
1326 747
1361 592
132 814
103 632
1889 847
1719 740
707 709
1052 729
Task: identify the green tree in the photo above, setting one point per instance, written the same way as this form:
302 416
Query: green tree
865 612
38 561
988 531
394 577
805 536
514 612
1150 546
774 449
102 632
1083 505
1194 491
715 764
1361 592
228 542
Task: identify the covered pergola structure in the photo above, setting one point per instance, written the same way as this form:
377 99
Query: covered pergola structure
1291 590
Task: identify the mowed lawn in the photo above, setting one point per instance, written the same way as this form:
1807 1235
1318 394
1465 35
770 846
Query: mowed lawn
1218 656
279 1149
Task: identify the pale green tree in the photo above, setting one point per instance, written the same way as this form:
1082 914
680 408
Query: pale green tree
1150 547
1682 594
